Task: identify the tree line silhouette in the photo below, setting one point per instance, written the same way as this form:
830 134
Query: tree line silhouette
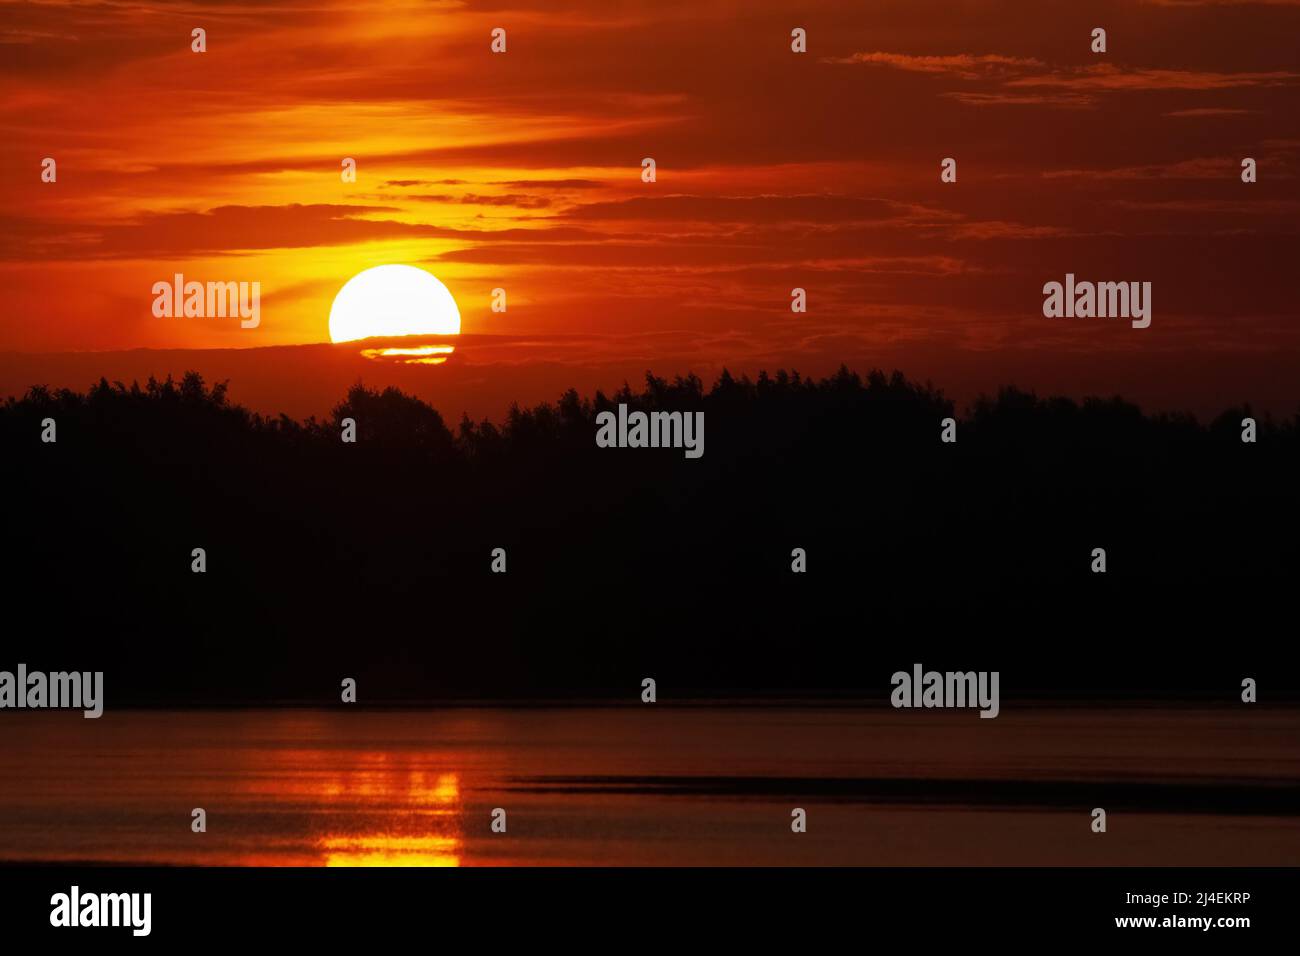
372 560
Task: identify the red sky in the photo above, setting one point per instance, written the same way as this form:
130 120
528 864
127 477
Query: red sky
775 170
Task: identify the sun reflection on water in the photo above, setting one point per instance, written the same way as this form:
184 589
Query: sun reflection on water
384 849
423 829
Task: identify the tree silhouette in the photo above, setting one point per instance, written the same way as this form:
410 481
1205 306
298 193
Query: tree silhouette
375 555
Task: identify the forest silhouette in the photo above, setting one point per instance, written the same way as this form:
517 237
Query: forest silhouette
372 560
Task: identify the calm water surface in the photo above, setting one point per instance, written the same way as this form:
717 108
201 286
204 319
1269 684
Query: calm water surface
652 785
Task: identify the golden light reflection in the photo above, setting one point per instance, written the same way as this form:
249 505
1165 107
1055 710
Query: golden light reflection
423 355
382 849
422 826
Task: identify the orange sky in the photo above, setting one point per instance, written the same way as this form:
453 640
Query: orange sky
775 170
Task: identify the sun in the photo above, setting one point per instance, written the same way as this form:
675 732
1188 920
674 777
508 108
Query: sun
392 300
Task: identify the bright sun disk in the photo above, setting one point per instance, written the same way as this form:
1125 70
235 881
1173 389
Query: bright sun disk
392 300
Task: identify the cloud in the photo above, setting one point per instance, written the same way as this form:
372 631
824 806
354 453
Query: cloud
517 200
1288 208
234 229
550 184
1223 3
509 199
1070 87
1109 77
1208 168
1064 100
997 229
1209 111
967 65
823 208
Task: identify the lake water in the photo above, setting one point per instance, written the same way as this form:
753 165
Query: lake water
653 785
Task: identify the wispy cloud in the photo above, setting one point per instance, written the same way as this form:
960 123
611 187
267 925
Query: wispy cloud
1109 77
1209 111
1209 168
967 65
1012 72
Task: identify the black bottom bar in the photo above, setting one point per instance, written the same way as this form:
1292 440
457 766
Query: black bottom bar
669 908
